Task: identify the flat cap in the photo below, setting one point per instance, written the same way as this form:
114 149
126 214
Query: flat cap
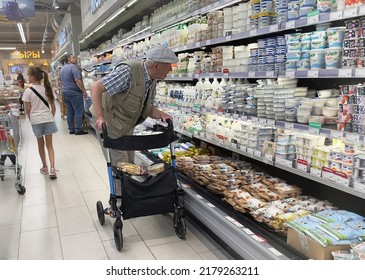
162 54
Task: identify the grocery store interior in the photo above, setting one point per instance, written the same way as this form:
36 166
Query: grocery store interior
267 101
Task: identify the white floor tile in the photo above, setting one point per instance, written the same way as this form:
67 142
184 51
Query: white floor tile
133 249
36 196
93 196
41 244
180 250
84 246
9 236
74 220
66 197
38 217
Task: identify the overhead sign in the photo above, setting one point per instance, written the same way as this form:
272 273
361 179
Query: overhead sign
62 39
96 4
19 10
25 54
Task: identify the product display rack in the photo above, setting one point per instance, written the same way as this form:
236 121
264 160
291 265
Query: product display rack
198 204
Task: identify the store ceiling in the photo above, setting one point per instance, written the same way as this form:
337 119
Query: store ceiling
34 28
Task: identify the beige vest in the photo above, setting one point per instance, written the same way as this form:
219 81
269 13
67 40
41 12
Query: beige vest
124 110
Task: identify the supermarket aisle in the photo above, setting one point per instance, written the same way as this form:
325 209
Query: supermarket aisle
57 219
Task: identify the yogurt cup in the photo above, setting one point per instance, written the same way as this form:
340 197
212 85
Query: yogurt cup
333 58
335 36
317 59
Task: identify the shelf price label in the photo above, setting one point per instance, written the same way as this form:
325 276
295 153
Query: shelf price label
346 73
255 119
250 150
284 162
229 38
244 118
353 137
257 153
350 12
290 24
360 72
313 19
290 73
207 42
362 10
341 178
314 128
302 165
312 74
289 126
316 172
336 15
327 173
252 74
274 28
270 122
270 74
253 33
336 134
262 121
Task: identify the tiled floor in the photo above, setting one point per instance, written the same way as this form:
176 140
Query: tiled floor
57 219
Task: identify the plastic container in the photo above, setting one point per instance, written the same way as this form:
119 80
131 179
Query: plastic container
324 6
317 59
329 111
335 36
333 58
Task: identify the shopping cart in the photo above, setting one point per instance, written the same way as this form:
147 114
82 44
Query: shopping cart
9 142
154 194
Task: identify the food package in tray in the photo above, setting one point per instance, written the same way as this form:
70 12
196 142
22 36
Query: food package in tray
132 169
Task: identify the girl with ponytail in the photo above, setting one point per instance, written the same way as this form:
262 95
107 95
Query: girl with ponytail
39 103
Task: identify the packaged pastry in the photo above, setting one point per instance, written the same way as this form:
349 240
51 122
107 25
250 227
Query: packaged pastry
156 168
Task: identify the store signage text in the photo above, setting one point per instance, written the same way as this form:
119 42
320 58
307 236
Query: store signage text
25 54
95 5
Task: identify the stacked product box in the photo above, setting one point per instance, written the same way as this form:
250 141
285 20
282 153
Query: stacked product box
353 54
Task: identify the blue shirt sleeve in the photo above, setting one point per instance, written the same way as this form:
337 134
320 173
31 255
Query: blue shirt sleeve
76 72
118 80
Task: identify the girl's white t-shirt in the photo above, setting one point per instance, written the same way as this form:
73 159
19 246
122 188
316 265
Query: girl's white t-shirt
39 112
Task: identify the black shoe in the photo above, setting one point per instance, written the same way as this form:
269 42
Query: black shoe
72 132
81 132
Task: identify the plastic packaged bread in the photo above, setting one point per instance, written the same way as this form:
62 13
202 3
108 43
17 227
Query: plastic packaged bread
129 168
156 168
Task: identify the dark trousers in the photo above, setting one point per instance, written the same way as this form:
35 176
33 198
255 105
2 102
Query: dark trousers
11 157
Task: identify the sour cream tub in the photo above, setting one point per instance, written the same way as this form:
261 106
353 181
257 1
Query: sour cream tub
335 36
333 58
317 59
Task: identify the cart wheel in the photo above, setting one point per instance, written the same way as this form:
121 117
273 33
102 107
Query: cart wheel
118 236
100 211
2 178
20 189
179 226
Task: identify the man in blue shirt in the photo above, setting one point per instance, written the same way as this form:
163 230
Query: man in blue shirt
73 94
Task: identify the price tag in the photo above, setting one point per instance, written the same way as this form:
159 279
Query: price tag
225 75
275 252
248 231
181 75
312 19
243 148
257 153
316 172
253 33
290 73
360 72
289 126
290 24
197 45
255 119
198 196
274 28
243 118
258 238
270 74
251 74
336 134
336 15
327 173
269 157
210 205
341 178
227 115
220 113
345 73
236 116
207 42
353 137
270 122
312 74
190 75
359 186
250 150
262 121
302 165
284 162
230 219
314 128
362 10
211 75
350 12
237 224
229 38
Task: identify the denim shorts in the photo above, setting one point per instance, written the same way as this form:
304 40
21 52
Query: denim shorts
44 129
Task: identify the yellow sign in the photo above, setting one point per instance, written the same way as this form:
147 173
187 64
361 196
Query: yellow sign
25 54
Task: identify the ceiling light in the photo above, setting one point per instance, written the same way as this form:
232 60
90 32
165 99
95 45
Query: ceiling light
55 5
11 64
8 48
21 31
45 63
31 63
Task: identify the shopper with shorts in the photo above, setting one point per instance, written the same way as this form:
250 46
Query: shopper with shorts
39 103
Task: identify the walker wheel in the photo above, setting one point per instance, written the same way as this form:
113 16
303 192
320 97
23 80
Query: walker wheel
179 225
118 236
2 178
100 212
20 189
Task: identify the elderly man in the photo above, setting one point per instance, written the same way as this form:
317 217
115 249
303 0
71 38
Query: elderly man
124 98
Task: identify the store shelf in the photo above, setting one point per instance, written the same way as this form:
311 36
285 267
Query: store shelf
241 239
322 181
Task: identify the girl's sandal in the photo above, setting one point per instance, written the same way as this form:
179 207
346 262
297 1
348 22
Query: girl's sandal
52 173
44 170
